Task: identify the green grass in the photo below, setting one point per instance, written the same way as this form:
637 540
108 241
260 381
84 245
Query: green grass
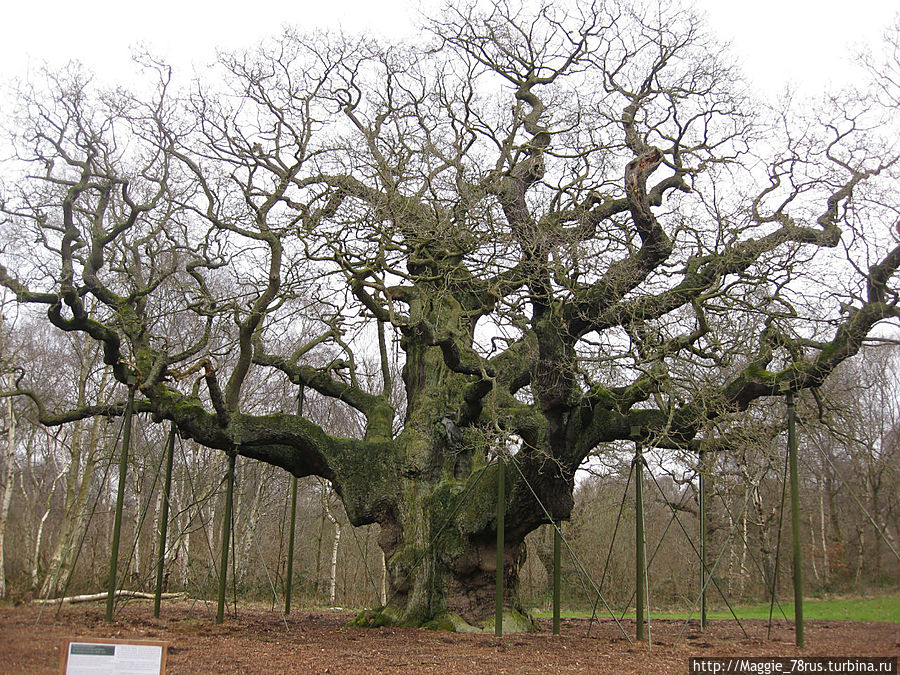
880 608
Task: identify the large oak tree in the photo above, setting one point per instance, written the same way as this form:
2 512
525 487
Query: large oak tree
543 231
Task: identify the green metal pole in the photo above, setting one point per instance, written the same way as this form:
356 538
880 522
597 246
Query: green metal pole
702 541
226 535
639 563
557 574
164 519
289 584
795 521
290 559
120 499
501 515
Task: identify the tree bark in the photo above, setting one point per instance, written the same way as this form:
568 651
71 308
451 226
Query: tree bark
822 529
83 462
249 513
120 593
39 532
7 488
335 543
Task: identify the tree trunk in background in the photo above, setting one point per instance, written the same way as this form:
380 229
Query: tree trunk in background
335 544
318 574
744 572
188 517
136 563
382 587
839 562
75 496
180 549
78 488
874 510
83 464
7 488
860 555
250 514
39 534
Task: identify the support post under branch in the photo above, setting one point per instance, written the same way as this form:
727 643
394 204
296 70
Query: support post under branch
164 520
120 499
639 561
501 515
795 521
226 535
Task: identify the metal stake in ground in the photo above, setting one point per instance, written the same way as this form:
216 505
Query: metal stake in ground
795 521
226 535
289 582
164 519
120 499
501 515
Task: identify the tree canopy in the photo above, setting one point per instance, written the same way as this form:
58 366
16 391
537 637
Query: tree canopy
542 229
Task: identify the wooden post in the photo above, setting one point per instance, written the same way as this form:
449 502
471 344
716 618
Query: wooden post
639 562
120 499
164 519
226 535
557 575
795 521
289 583
501 515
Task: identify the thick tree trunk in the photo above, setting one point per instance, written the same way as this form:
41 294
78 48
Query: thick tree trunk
437 584
437 526
435 494
441 555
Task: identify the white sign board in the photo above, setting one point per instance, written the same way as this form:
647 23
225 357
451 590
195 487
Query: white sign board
113 657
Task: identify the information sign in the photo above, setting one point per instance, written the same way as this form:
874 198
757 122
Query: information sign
113 657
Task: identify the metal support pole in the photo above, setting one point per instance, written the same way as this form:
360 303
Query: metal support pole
120 499
795 521
226 535
702 472
289 584
501 515
639 562
164 519
557 574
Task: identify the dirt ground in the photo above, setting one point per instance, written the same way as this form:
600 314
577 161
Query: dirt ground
256 640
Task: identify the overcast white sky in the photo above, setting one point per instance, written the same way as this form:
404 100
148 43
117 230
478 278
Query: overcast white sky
804 42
